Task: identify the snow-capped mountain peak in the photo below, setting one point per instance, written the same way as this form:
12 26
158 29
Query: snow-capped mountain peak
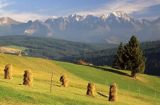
119 14
77 17
110 27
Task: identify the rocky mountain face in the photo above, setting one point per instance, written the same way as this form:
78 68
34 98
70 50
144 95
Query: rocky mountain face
112 28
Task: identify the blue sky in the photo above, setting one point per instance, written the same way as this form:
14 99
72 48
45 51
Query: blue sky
24 10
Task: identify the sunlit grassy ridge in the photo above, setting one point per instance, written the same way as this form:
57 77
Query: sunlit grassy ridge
15 47
12 92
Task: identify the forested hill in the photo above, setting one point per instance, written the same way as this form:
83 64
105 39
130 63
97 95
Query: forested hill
51 48
97 54
105 57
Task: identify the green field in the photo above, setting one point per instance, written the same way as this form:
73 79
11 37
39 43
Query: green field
143 91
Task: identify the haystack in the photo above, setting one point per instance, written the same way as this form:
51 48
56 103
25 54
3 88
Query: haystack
19 53
91 89
64 80
8 71
27 78
113 92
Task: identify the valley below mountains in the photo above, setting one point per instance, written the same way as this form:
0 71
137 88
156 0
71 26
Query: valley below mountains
62 50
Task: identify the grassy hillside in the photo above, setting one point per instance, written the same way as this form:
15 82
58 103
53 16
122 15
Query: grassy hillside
12 92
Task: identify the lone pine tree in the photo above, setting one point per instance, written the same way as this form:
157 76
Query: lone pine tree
136 62
130 57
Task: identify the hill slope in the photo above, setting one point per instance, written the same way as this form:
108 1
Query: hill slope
106 57
97 54
49 47
11 92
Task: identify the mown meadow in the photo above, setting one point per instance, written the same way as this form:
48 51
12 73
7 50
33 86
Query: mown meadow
142 91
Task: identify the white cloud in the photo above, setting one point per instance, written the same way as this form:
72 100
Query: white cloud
4 4
127 6
23 16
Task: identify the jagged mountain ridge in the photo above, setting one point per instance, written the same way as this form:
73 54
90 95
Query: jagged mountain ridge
112 28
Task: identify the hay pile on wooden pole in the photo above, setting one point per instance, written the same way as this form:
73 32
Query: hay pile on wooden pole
27 78
8 71
64 80
91 89
51 84
113 92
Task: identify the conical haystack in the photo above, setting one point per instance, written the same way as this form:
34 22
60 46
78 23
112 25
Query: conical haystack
113 92
64 80
27 78
8 71
91 89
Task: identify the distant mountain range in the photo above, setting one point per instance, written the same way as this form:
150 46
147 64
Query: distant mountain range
112 28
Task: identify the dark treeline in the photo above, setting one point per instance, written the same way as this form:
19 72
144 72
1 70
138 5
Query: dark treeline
106 57
49 47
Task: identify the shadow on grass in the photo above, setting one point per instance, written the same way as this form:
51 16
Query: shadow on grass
111 70
58 85
4 80
103 95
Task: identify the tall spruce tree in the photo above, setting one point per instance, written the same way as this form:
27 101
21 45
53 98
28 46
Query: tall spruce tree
135 60
130 57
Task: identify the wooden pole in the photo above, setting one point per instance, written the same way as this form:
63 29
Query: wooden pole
51 84
155 94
